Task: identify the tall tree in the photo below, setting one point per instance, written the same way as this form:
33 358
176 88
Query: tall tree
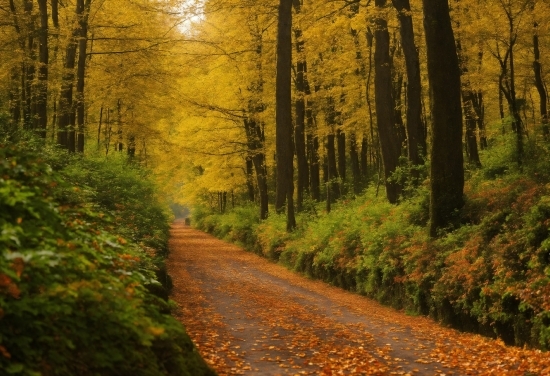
416 138
66 135
300 109
283 117
385 115
43 59
447 165
80 73
539 83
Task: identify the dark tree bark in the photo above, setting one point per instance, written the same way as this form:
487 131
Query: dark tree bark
30 73
299 131
539 84
341 137
364 159
131 147
80 74
332 169
256 139
479 107
365 144
250 179
507 84
447 166
397 90
43 59
313 156
119 146
389 140
55 13
283 118
354 159
66 135
14 101
254 129
416 138
99 128
470 114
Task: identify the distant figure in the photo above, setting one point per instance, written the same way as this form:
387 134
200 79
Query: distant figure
188 221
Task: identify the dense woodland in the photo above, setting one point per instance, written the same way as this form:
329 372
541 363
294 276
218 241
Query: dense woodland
395 148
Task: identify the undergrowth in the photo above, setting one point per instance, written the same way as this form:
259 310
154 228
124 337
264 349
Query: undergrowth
491 275
81 245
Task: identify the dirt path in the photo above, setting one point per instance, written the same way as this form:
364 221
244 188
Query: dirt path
249 316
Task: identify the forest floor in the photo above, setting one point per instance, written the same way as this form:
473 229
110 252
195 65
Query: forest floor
249 316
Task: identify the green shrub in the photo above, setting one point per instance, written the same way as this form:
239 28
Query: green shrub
73 295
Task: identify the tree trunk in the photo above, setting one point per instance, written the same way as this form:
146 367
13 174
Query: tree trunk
470 114
415 132
261 177
299 131
341 141
255 141
313 155
66 129
14 102
43 58
364 159
99 128
354 158
447 169
80 105
283 119
250 179
389 140
539 84
332 169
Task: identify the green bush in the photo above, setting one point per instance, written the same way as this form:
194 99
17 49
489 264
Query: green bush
491 275
73 293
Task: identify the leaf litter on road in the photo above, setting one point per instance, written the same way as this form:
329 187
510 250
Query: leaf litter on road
249 316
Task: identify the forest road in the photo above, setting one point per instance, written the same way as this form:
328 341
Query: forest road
250 316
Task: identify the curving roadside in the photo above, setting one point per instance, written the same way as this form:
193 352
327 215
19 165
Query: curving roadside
249 316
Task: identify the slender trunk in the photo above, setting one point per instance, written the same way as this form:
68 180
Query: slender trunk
131 150
80 105
354 158
250 178
30 69
364 159
415 135
389 141
517 124
341 142
14 101
66 129
370 39
300 121
332 169
480 111
537 67
119 146
42 87
299 131
470 114
313 155
99 128
283 119
108 132
255 141
447 170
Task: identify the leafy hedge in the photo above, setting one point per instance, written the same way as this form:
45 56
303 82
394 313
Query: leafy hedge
74 296
491 275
